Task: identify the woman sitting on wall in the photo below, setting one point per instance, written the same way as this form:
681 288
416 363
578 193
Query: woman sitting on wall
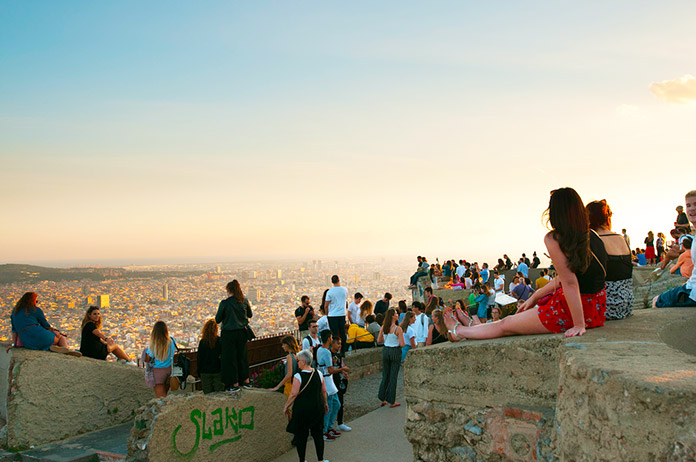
365 311
572 302
290 346
208 358
31 330
161 351
619 280
94 343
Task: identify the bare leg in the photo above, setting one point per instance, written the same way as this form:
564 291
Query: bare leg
524 323
60 341
118 352
161 390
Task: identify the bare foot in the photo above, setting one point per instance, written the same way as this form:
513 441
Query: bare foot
654 302
463 317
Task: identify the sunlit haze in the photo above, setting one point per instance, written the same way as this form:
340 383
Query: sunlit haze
135 132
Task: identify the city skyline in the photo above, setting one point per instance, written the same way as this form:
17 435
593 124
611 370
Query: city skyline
172 132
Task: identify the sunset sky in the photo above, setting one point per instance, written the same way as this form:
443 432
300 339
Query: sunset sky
214 131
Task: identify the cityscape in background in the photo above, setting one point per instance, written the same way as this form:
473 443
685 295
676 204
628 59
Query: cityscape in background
189 295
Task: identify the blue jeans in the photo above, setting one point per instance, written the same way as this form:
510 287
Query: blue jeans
677 297
334 406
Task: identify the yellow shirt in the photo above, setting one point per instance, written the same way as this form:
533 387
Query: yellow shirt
356 331
541 282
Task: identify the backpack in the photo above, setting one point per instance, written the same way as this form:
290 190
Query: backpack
314 349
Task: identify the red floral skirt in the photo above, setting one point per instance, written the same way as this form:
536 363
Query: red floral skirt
554 313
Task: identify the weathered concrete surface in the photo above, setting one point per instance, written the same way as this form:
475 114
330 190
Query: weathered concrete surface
647 284
52 396
617 393
363 362
246 425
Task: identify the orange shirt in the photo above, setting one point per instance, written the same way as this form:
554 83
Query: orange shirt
685 263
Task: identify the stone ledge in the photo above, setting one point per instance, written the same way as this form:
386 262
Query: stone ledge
547 397
51 396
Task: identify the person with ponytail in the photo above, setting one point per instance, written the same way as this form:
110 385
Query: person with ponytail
234 313
393 338
572 302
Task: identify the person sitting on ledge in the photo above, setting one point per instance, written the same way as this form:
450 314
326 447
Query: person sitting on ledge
359 337
31 330
684 266
572 302
94 343
373 325
619 280
437 330
685 295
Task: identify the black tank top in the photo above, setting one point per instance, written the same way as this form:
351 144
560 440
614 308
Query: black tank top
437 336
592 280
310 400
619 267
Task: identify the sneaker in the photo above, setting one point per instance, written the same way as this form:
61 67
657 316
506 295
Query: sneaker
247 386
233 389
344 428
328 437
334 433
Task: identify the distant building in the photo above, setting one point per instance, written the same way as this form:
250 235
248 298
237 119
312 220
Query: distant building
254 295
218 270
377 276
165 292
89 301
103 301
279 274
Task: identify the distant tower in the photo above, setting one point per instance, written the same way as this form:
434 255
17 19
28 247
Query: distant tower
89 301
356 279
254 295
218 270
103 301
280 274
85 291
165 292
377 276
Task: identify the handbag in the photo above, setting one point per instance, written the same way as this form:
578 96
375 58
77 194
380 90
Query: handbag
250 335
149 371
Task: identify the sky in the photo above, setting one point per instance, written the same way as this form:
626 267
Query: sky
217 131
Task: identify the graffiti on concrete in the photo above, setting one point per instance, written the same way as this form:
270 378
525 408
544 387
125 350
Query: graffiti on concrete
218 426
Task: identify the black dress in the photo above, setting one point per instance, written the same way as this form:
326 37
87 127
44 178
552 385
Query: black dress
308 414
91 345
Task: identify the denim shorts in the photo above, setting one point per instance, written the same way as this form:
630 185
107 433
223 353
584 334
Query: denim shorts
677 297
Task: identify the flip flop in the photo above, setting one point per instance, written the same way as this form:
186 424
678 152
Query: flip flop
395 405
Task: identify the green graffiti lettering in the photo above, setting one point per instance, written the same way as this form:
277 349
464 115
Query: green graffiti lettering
247 410
194 414
231 419
207 432
217 423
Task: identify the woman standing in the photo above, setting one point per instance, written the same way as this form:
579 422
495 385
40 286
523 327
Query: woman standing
208 358
393 338
577 300
290 346
31 330
308 401
619 279
234 313
94 343
409 334
660 245
650 248
161 351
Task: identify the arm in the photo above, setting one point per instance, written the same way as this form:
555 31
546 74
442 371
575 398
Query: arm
249 314
301 319
680 262
413 342
569 282
380 337
42 320
288 374
429 340
400 335
293 394
538 295
104 339
220 315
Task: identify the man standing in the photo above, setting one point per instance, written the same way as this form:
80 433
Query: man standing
354 310
339 372
461 269
335 308
304 313
542 280
523 268
484 273
311 341
421 325
324 364
383 305
498 283
626 238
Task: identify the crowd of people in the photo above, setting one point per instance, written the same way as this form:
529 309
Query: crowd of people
590 281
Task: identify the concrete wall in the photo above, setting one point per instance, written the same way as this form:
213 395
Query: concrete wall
50 396
647 284
617 393
248 425
364 362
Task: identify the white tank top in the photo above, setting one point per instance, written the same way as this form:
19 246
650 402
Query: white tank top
391 340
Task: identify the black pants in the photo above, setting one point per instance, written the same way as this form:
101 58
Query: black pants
316 431
339 416
337 324
391 362
233 358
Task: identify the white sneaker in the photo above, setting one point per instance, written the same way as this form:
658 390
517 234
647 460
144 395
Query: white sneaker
344 428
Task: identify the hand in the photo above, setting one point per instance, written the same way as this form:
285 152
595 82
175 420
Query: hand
346 369
525 305
306 310
575 331
326 407
286 411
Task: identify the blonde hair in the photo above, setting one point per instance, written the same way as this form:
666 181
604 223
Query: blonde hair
365 309
159 341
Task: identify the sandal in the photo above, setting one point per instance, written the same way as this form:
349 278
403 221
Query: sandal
453 331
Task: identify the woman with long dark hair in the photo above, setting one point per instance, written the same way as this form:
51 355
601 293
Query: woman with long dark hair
234 313
572 302
393 338
96 344
31 330
208 358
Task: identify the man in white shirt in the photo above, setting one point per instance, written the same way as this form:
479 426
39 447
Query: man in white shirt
312 340
461 269
421 325
354 310
335 308
685 295
499 283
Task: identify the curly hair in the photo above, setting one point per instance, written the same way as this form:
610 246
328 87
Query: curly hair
210 332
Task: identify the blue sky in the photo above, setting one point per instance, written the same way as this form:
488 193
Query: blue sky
332 128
